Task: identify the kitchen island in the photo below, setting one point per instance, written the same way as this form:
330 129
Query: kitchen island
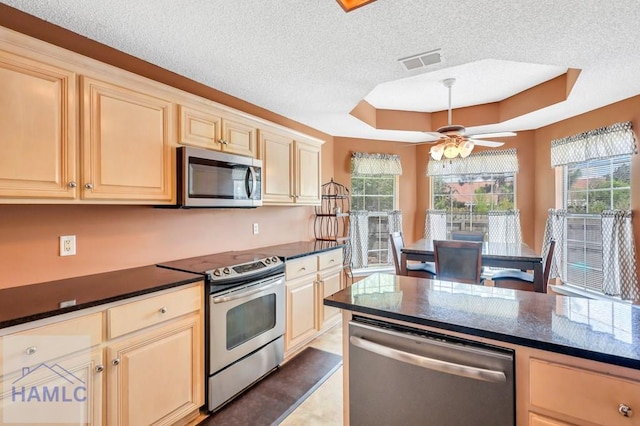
577 361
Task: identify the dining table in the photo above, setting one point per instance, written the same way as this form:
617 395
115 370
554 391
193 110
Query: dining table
499 255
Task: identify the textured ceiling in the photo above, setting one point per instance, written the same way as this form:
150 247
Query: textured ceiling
312 62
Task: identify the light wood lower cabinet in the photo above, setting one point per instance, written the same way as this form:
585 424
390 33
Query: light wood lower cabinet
308 281
150 372
154 378
68 390
537 420
582 396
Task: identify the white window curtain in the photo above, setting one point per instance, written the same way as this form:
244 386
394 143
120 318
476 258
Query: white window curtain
359 238
555 230
491 161
394 225
365 164
604 142
504 226
435 225
619 256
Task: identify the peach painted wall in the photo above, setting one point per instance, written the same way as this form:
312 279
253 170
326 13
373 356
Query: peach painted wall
626 110
343 148
119 237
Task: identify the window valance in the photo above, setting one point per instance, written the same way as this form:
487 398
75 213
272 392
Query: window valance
493 161
363 164
604 142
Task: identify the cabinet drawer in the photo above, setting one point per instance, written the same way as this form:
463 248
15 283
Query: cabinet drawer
154 310
582 394
330 259
42 344
299 267
536 420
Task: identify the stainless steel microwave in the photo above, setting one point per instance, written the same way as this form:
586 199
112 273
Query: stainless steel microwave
217 179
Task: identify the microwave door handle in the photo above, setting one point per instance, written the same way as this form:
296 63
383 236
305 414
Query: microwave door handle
251 173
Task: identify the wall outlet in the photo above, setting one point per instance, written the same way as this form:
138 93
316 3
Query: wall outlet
68 245
255 229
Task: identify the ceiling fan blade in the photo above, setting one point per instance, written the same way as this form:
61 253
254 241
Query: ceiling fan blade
482 142
433 134
493 135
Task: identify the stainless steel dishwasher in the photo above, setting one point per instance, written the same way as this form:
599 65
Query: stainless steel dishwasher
405 376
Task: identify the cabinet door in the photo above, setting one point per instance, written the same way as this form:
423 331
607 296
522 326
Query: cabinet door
64 390
238 137
301 311
330 282
156 377
199 128
37 129
537 420
276 153
307 165
126 144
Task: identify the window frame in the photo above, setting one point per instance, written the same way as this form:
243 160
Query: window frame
379 216
587 287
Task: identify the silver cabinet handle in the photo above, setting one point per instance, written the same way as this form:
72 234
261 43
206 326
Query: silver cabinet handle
72 184
99 368
163 310
88 186
625 410
430 363
223 142
304 268
115 361
31 350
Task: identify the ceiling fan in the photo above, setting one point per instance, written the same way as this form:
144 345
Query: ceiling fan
453 140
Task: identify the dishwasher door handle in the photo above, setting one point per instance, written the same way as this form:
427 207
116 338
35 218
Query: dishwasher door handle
430 363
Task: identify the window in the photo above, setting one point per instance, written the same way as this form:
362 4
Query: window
467 198
590 187
378 196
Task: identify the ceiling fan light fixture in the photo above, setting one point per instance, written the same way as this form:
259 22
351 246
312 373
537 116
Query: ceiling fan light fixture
436 152
465 147
451 149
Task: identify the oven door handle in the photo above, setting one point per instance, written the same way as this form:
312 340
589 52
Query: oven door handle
243 295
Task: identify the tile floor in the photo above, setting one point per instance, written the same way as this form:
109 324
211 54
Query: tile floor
324 406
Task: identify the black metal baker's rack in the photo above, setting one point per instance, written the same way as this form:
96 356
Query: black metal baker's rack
331 224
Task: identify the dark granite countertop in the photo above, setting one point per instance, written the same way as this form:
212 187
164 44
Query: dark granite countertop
593 329
36 301
291 251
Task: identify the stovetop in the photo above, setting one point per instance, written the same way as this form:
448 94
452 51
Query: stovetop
230 268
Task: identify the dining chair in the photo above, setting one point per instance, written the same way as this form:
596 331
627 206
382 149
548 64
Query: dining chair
519 280
459 261
421 270
467 235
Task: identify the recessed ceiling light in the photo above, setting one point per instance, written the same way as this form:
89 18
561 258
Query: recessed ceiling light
349 5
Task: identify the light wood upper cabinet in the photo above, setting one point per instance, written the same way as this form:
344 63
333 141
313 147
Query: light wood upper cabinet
37 129
210 128
291 169
125 144
276 153
308 177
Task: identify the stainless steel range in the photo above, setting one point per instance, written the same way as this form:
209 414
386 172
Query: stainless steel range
245 319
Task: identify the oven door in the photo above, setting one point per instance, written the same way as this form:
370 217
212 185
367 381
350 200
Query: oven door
245 319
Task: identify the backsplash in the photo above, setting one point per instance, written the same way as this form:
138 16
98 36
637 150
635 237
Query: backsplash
118 237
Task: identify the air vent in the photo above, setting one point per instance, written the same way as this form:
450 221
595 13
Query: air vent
421 60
